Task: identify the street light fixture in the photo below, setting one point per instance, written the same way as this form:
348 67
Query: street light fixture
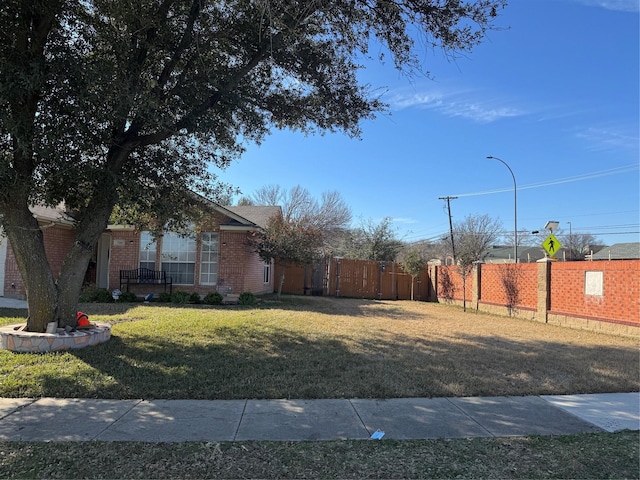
515 209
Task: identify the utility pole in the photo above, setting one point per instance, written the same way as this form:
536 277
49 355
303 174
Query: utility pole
453 247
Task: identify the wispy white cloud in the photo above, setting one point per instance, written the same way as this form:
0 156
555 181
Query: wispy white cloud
618 5
609 138
404 220
465 104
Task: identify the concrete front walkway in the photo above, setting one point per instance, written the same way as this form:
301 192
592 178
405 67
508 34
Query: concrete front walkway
54 419
12 303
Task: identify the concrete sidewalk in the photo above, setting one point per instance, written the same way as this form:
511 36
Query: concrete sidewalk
53 419
12 303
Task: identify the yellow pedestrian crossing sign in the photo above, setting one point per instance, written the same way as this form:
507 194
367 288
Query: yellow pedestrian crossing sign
551 245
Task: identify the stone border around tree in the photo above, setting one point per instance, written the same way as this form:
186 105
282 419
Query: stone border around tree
15 339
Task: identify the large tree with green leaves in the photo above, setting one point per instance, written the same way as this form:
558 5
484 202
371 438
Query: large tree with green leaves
106 102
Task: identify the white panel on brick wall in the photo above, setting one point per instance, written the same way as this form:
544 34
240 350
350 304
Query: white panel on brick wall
593 283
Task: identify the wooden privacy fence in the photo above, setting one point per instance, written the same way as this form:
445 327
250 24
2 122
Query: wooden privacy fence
339 277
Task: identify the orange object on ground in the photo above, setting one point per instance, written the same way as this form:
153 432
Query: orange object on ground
82 319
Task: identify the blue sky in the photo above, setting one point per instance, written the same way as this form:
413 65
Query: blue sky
554 94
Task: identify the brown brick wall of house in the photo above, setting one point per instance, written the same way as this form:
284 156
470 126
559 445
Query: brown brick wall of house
239 268
57 241
124 253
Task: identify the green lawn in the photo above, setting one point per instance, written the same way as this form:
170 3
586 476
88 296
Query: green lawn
304 347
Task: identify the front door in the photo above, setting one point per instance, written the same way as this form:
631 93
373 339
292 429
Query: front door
102 261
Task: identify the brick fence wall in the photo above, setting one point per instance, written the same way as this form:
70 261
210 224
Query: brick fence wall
598 295
619 297
492 290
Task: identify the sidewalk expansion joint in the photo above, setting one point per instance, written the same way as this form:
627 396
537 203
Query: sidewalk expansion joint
138 402
244 409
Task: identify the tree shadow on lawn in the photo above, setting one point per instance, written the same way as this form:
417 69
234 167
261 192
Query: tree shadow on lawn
228 364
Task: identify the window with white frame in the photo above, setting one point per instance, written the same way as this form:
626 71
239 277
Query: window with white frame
209 259
147 251
267 272
179 258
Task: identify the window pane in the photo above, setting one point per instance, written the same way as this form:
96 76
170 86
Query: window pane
209 259
147 251
267 273
180 273
178 258
149 265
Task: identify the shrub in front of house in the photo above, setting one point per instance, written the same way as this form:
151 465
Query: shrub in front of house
180 297
194 298
93 294
247 298
212 298
164 297
128 297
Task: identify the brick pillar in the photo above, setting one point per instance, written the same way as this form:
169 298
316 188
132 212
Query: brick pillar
476 275
544 288
433 280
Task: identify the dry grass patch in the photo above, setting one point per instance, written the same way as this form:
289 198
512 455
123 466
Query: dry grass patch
601 455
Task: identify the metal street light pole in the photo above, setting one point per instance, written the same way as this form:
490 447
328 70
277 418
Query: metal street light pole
570 242
515 209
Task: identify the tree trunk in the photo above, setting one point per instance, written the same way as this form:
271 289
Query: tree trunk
27 244
412 280
281 282
70 283
464 293
50 299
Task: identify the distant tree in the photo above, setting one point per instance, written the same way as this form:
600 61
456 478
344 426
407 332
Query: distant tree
371 241
224 198
473 236
577 245
329 214
244 202
525 238
413 261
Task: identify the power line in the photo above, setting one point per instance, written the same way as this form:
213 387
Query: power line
587 176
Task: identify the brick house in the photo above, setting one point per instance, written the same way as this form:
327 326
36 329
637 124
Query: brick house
214 258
